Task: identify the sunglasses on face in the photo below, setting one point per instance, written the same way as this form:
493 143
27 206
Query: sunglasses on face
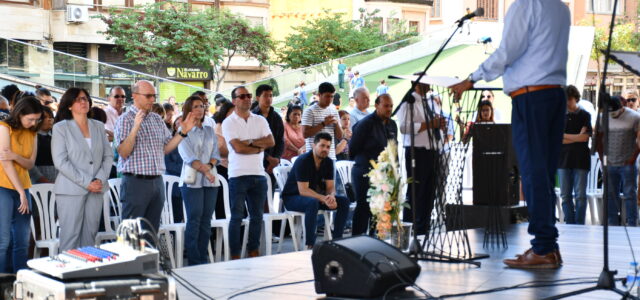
148 95
244 96
119 96
632 99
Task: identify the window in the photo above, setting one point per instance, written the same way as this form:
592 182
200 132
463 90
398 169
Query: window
414 26
436 9
603 6
377 22
256 21
490 9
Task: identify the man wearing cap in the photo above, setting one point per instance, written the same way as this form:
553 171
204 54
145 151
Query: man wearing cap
532 58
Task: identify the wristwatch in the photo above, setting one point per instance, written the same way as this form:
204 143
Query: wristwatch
470 78
184 135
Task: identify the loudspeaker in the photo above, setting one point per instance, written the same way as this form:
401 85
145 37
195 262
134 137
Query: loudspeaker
6 285
360 267
496 179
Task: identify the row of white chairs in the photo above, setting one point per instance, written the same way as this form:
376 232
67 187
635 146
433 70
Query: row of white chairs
47 236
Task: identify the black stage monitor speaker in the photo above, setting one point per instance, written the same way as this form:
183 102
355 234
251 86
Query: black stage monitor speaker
360 267
496 180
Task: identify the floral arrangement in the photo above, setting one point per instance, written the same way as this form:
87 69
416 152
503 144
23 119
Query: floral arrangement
384 191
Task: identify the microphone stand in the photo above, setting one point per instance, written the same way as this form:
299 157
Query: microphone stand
415 249
606 280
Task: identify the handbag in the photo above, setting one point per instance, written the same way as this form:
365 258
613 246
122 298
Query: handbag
188 174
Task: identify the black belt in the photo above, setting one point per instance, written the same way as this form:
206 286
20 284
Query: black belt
142 176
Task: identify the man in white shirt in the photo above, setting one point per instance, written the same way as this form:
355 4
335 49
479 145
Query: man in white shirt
429 141
116 99
247 136
532 59
362 106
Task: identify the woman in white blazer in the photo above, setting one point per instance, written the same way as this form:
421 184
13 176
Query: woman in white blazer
83 157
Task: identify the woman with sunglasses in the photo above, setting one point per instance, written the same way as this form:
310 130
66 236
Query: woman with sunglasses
83 156
18 144
199 152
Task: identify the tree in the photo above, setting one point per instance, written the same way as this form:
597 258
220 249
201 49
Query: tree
237 36
326 38
163 33
166 33
624 39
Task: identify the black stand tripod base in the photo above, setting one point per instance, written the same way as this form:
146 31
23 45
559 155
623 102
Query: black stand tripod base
606 282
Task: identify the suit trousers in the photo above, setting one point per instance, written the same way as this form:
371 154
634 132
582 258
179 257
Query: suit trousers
79 217
537 120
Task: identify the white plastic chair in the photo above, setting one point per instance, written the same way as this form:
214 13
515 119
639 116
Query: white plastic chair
108 233
167 223
594 194
274 215
111 203
45 199
293 160
297 218
284 163
344 170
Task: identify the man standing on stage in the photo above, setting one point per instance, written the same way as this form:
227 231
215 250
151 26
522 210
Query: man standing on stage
428 144
532 58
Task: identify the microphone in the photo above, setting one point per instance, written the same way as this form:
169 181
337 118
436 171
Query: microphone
478 13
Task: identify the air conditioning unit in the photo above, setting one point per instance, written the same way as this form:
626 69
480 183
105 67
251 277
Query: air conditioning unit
77 14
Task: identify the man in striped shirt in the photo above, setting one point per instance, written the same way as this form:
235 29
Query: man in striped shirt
322 117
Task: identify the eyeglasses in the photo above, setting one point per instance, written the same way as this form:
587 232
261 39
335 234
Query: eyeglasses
120 96
82 99
149 96
244 96
632 99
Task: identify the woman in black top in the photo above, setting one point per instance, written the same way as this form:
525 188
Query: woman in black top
44 171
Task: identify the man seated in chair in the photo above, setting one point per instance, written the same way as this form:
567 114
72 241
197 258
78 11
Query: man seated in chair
310 187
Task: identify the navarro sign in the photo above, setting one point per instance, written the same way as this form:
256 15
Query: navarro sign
187 73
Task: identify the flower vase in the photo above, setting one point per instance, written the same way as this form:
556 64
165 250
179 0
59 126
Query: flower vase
399 236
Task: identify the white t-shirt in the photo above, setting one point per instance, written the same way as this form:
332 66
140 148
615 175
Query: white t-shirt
235 127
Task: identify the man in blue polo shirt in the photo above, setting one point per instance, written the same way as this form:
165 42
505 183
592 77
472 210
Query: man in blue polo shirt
310 187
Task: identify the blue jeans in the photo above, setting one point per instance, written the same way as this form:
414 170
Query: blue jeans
253 190
199 204
310 206
573 184
14 230
537 120
625 175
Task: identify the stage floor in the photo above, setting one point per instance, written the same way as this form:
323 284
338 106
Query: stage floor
580 247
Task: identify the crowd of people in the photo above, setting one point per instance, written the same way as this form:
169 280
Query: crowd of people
79 146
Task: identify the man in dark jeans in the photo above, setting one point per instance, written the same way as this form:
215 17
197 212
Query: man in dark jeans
624 140
575 159
310 186
369 138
